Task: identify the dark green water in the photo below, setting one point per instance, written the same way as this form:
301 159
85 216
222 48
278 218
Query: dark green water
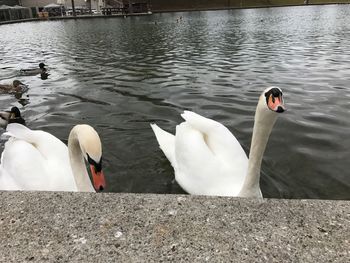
119 75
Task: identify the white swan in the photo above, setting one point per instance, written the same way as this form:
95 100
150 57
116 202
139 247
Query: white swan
208 159
37 160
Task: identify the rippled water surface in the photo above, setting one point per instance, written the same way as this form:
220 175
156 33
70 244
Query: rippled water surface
119 75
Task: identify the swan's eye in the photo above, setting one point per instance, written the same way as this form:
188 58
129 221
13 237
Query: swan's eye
97 166
273 91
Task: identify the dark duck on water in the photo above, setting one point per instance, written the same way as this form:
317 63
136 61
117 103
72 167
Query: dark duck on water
12 116
35 71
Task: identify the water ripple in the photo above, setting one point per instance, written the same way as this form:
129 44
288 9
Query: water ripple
122 74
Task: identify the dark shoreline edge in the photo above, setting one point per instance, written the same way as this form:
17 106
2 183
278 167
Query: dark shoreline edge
160 11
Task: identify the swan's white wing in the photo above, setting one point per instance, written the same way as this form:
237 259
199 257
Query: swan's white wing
166 143
22 167
35 160
210 160
196 164
47 144
202 171
219 139
207 158
7 182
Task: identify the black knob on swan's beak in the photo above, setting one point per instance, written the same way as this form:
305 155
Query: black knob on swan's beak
280 109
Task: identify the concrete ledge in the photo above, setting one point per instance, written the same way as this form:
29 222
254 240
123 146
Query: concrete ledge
72 227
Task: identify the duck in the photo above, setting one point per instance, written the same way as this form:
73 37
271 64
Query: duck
35 160
208 159
12 116
34 71
16 87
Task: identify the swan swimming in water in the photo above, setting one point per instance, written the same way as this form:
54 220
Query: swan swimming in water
37 160
209 160
12 116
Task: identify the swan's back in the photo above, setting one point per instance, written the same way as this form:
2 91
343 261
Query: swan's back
208 159
35 160
22 164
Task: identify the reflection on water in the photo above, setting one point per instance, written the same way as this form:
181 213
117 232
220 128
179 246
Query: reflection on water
22 99
121 74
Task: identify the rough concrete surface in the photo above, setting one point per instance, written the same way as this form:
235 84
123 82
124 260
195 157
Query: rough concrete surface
84 227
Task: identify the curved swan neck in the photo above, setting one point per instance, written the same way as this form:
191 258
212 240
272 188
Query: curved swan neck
81 177
264 121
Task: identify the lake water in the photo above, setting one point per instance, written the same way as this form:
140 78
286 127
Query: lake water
119 75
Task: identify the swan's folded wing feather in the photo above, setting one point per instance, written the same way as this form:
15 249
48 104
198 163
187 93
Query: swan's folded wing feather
218 138
195 161
47 144
22 167
20 131
37 160
199 170
199 122
166 143
7 183
191 147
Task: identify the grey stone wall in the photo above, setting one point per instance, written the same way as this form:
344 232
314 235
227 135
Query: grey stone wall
83 227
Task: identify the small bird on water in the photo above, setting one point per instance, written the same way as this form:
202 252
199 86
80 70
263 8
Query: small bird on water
16 87
12 116
35 71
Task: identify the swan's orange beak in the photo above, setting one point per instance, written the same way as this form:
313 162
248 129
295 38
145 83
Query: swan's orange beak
276 104
98 179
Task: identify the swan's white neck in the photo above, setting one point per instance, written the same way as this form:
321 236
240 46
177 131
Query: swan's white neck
80 174
264 121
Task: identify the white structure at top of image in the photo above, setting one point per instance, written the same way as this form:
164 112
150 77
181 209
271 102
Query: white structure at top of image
95 4
52 6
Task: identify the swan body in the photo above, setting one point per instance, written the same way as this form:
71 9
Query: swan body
208 159
12 116
37 160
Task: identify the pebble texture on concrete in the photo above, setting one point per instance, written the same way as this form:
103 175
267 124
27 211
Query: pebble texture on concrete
72 227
